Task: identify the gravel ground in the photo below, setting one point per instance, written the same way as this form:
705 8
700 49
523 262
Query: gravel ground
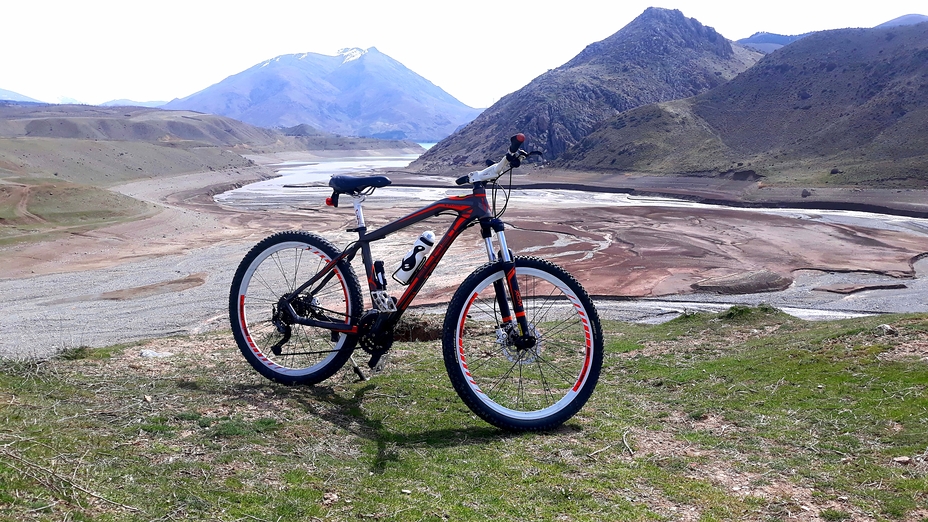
162 296
99 307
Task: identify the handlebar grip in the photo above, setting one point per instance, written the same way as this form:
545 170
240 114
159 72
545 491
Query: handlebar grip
463 180
515 142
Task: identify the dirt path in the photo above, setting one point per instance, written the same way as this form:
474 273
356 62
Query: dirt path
22 207
20 193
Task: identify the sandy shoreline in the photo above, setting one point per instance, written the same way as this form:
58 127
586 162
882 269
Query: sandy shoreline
170 273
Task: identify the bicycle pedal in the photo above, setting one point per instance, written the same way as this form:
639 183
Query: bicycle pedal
378 361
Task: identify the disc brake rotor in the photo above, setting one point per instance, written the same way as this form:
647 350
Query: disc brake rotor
506 337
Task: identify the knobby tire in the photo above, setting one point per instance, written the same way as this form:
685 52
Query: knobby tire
275 267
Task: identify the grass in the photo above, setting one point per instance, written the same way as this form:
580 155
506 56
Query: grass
748 414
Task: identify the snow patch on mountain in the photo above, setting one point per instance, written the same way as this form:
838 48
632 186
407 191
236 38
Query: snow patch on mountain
350 54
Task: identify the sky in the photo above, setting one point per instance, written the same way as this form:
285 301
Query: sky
94 51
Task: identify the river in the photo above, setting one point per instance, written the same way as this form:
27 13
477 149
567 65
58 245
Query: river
300 183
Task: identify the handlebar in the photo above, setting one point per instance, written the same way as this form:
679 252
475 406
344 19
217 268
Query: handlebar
510 161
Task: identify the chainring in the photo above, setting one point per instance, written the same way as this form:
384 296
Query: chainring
370 340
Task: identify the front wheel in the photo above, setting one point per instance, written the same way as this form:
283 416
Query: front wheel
504 382
279 348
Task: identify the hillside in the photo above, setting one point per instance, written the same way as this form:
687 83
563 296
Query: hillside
105 145
843 107
357 93
127 124
101 146
59 162
661 55
747 414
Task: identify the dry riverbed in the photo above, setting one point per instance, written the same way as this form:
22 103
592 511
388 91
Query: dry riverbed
170 273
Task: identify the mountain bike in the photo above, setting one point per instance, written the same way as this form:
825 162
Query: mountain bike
521 340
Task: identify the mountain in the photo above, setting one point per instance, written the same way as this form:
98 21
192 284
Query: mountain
840 107
769 42
358 92
6 95
661 55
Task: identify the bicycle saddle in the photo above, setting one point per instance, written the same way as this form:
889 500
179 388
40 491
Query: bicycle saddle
356 184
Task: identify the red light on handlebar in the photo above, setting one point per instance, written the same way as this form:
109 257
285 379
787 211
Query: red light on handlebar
520 138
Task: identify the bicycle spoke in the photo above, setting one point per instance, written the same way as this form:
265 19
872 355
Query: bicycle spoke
503 377
536 386
568 379
564 326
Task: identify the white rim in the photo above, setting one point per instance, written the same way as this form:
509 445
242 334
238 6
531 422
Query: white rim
243 320
582 376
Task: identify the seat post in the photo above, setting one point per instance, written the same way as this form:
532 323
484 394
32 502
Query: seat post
356 200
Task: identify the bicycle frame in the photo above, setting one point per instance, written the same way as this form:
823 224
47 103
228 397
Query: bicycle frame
298 313
468 209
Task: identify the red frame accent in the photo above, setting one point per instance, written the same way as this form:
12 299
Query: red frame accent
468 209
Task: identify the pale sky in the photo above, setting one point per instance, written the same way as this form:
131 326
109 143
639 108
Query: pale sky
94 51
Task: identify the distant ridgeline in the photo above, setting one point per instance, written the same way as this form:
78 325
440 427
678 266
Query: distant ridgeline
769 42
10 96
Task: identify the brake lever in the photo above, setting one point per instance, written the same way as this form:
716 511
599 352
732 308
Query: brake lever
515 159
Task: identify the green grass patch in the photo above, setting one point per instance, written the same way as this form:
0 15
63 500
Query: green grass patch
33 209
748 414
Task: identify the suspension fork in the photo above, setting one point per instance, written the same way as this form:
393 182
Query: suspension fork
514 315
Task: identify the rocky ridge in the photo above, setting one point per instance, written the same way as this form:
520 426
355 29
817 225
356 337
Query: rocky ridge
661 55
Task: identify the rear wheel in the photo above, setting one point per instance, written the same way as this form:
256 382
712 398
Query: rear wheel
505 382
278 348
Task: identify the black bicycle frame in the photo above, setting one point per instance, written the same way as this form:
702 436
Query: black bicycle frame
468 210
